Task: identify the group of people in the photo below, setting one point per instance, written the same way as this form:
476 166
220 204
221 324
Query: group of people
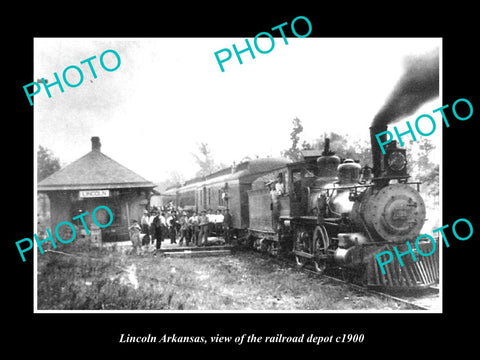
188 227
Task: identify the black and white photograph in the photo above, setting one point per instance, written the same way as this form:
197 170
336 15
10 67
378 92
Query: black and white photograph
290 182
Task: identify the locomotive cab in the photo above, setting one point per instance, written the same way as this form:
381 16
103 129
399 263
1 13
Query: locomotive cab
300 178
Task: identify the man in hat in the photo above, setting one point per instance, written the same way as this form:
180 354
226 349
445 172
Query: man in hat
203 222
277 191
183 221
227 225
156 228
218 220
279 186
194 227
172 224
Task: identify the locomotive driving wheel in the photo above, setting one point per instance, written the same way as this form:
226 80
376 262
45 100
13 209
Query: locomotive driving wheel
320 246
303 245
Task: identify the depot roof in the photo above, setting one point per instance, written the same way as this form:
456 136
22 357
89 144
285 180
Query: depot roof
94 170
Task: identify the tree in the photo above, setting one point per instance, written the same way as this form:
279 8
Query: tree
421 166
206 161
47 163
174 179
294 153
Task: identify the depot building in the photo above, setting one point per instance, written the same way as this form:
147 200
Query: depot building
93 180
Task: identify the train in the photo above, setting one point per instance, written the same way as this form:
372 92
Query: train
325 212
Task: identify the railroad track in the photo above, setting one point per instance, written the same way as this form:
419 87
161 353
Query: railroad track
414 302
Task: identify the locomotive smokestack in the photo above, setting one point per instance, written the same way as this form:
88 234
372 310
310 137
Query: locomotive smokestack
419 83
377 156
326 148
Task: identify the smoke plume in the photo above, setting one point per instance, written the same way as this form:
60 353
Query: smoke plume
419 83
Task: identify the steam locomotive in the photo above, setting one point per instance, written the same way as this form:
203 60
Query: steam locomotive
326 213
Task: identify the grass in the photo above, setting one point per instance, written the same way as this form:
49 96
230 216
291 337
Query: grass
110 279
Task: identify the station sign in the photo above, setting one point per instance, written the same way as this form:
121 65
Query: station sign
93 193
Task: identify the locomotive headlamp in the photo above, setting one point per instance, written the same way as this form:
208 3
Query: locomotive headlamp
396 162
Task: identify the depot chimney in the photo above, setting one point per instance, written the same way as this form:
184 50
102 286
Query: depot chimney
96 145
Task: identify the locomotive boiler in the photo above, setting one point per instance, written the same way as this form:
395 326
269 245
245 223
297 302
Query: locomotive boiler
336 214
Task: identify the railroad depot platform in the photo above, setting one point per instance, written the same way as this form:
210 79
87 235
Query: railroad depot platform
215 246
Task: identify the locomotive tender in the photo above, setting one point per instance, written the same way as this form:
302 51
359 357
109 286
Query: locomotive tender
327 213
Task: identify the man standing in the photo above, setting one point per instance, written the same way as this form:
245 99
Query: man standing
276 192
203 222
158 226
163 225
194 228
279 185
218 223
227 226
183 229
172 223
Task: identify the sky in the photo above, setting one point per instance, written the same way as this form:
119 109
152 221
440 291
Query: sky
169 94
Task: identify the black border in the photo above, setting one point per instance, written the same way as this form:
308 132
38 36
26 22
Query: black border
394 333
